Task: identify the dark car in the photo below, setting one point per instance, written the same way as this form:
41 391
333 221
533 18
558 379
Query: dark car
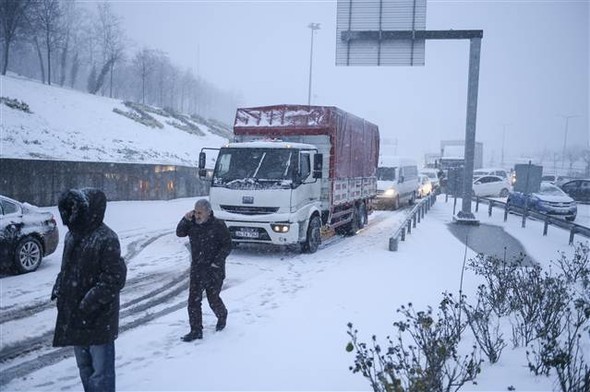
27 234
579 190
549 200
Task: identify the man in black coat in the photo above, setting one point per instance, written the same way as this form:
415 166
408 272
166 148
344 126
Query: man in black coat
87 288
210 243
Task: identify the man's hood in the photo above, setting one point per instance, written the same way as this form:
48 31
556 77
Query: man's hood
82 209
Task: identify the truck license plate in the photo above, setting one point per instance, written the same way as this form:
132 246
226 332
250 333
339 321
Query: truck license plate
247 234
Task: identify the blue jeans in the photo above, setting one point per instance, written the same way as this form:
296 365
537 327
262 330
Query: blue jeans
97 367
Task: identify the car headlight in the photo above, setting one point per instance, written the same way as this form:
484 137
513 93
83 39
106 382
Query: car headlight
280 227
389 192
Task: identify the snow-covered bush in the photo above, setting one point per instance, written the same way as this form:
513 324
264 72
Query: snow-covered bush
15 104
430 362
139 115
549 313
485 324
498 275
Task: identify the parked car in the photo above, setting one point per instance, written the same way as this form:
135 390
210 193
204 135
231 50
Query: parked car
424 185
554 178
27 234
492 171
549 200
579 190
433 177
493 186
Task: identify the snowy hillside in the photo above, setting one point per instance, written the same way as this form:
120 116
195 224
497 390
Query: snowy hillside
38 121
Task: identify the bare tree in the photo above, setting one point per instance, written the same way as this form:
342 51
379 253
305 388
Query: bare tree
163 75
144 62
12 18
108 28
47 18
70 19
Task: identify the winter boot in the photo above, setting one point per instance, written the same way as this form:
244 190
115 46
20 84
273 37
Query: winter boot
221 323
192 335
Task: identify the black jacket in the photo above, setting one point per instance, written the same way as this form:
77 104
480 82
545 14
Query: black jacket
92 273
210 241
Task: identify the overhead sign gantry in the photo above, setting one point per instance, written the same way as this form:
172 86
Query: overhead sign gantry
393 32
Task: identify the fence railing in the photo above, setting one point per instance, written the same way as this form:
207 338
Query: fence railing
547 219
414 217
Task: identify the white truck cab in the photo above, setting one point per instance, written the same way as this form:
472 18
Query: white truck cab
267 190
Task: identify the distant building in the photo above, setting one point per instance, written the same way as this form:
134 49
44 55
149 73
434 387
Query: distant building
452 154
431 160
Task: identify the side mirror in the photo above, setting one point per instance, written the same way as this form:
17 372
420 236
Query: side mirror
318 163
202 161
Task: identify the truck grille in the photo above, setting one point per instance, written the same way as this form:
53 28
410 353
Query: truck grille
249 210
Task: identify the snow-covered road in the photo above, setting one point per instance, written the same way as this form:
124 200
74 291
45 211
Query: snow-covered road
288 312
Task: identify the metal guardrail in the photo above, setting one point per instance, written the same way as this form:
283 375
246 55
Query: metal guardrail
412 219
573 228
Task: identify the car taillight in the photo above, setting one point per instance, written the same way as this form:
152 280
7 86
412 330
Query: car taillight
51 222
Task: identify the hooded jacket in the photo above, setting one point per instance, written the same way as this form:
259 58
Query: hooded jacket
92 273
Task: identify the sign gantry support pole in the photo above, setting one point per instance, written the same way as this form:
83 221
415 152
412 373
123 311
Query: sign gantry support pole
474 36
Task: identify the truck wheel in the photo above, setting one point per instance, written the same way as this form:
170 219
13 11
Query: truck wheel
313 239
354 224
363 216
504 192
28 255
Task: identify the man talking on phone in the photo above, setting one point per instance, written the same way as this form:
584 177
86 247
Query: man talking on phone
210 243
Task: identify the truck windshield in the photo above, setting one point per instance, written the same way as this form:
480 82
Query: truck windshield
264 167
386 173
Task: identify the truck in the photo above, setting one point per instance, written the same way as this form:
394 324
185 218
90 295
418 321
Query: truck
294 173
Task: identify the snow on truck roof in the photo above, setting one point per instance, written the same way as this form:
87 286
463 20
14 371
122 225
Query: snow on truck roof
271 144
282 115
292 116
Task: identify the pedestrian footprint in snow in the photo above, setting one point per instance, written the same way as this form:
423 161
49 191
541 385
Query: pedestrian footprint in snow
210 243
87 288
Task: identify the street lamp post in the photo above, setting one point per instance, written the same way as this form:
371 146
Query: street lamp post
313 27
567 120
503 137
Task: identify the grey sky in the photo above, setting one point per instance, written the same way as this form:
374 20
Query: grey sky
534 67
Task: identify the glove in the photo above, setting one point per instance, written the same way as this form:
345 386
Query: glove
54 293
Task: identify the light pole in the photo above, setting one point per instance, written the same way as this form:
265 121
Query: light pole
503 137
567 120
313 27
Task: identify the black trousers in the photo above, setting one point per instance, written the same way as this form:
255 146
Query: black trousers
209 280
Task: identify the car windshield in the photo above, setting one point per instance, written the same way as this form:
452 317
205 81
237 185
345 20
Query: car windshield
251 166
430 175
550 190
386 173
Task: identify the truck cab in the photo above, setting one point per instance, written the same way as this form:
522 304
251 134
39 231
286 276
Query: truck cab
273 184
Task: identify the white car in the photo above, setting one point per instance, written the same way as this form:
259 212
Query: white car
494 186
433 177
424 185
492 171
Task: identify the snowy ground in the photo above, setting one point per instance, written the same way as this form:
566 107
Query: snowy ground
69 125
288 312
